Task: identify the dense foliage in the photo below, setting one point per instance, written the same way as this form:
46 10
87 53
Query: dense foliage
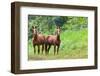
47 24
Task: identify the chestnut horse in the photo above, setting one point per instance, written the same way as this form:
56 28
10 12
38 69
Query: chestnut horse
38 39
53 40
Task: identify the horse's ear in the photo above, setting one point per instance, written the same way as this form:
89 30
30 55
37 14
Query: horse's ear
36 27
33 27
58 27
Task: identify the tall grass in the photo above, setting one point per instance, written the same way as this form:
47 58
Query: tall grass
73 46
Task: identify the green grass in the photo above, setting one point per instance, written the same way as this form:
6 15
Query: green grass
73 46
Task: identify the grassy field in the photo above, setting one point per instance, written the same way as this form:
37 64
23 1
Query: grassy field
73 46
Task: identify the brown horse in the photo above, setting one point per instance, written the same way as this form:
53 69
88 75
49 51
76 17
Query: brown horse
38 39
53 40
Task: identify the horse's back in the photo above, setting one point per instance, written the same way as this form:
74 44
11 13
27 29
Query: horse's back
41 37
51 39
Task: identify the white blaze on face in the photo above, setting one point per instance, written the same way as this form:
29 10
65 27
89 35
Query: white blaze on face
34 31
58 31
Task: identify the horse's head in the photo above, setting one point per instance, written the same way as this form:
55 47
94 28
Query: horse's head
34 30
57 32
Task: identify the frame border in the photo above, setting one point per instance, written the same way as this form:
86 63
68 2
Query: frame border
15 37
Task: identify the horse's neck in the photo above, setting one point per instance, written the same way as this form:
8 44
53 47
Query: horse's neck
58 37
35 37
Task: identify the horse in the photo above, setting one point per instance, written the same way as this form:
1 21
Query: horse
38 40
53 40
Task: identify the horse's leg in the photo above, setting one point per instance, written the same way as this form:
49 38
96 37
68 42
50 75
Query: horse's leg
49 48
54 49
45 48
34 49
42 48
58 49
38 49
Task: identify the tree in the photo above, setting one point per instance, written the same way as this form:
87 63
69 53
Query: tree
60 20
